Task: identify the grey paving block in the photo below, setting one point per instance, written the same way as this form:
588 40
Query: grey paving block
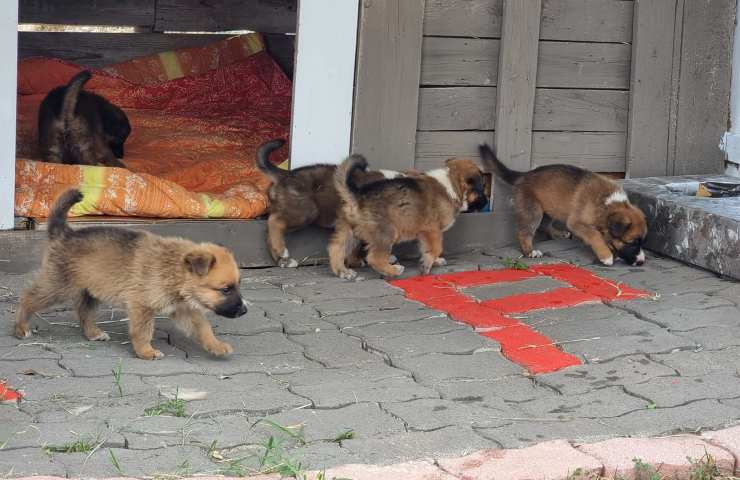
603 403
327 308
624 371
267 294
458 342
322 455
335 288
62 435
412 312
499 290
38 388
254 322
685 320
514 388
446 442
18 371
524 433
106 356
433 414
17 350
246 393
703 362
331 388
687 301
29 461
606 348
146 433
296 318
429 326
585 329
114 411
436 368
334 349
279 364
713 338
270 343
677 391
680 280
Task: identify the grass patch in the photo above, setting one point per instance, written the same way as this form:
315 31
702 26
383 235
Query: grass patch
84 444
173 406
704 468
117 372
514 264
116 464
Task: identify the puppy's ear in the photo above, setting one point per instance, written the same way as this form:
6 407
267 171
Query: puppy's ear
618 224
199 262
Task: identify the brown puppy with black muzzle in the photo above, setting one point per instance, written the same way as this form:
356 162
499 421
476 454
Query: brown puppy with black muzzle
302 197
592 207
147 273
417 207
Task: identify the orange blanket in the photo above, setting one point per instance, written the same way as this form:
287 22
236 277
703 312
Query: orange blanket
193 141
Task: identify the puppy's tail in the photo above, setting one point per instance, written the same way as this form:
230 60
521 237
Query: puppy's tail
494 165
345 185
57 224
72 93
264 163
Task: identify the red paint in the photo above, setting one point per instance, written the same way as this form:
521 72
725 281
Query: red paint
519 342
8 395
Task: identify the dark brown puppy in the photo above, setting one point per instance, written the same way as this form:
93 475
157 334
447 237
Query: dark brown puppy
417 207
147 273
78 127
302 197
592 207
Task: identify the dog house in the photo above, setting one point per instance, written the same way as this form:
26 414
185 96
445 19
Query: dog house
628 88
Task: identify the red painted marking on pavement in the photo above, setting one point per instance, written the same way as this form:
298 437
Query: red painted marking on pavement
519 342
8 395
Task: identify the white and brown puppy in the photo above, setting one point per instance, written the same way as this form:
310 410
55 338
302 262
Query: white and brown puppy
416 207
592 207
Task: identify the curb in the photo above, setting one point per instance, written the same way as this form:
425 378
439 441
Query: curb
671 457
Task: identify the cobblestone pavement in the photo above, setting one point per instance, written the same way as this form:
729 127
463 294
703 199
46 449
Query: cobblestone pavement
340 372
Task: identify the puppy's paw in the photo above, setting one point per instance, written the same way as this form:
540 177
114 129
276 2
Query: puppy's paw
608 261
287 262
392 259
535 254
22 331
560 234
150 354
640 261
98 336
219 349
396 270
347 274
440 262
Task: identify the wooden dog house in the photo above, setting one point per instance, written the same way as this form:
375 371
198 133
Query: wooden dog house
626 87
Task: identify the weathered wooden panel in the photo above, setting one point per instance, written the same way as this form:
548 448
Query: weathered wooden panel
472 108
650 93
268 16
97 50
135 13
463 61
601 152
574 20
584 65
704 90
517 72
459 61
387 82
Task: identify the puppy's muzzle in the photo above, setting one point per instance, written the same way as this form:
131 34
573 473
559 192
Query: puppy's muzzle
480 201
232 307
632 253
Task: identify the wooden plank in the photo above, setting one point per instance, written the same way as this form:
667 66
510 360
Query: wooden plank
584 65
472 108
387 82
135 13
567 20
474 62
516 81
675 78
704 89
267 16
601 152
8 82
650 92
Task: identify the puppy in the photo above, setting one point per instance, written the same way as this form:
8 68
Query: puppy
302 197
417 207
592 207
147 273
78 127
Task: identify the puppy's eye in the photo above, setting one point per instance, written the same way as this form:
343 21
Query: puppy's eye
226 290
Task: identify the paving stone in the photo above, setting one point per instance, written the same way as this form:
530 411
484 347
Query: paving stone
329 308
671 456
688 301
552 460
269 343
114 411
247 393
404 447
337 288
693 364
17 372
296 317
279 364
100 361
412 312
522 432
419 470
607 348
458 342
603 403
267 294
676 391
334 349
38 388
436 368
254 322
681 280
514 388
387 330
433 414
322 455
60 435
27 462
621 371
579 329
713 338
686 320
506 289
728 438
331 388
146 433
13 351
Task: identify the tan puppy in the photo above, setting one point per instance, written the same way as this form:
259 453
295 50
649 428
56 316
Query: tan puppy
592 207
417 207
302 197
147 273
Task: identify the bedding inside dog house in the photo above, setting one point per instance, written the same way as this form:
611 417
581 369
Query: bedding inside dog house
622 87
